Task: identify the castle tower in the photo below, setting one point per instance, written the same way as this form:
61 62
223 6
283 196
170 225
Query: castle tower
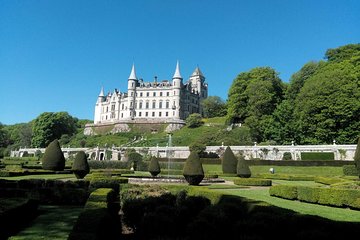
177 84
132 82
98 106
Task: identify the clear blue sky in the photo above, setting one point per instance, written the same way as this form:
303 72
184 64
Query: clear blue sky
55 55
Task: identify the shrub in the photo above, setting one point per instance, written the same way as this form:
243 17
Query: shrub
135 159
252 182
53 158
194 120
80 166
357 157
242 169
229 161
317 156
287 156
193 170
197 147
154 166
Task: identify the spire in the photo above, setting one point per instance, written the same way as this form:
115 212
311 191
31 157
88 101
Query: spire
101 94
132 74
177 71
197 72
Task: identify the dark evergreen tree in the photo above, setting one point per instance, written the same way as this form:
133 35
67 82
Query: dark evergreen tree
357 157
53 158
154 166
242 169
193 170
80 166
229 161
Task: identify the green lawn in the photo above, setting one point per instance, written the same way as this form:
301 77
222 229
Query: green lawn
54 222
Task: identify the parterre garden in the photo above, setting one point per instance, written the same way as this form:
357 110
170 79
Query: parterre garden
97 200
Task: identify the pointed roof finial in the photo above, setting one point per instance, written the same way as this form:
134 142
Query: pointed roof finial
133 74
197 72
177 71
101 94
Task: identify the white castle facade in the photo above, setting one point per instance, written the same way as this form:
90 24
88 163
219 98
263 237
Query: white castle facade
158 101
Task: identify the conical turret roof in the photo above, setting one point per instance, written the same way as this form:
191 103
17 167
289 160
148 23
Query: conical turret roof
197 72
177 71
133 74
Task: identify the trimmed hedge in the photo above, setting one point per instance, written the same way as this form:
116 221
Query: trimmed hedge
317 156
288 177
99 219
333 196
350 170
252 182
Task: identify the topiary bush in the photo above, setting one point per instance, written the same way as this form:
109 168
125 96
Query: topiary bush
357 157
80 166
193 170
242 168
53 158
154 166
229 161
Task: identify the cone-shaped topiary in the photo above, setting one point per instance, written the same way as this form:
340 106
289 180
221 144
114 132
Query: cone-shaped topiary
53 158
229 161
193 170
80 166
154 166
357 157
242 169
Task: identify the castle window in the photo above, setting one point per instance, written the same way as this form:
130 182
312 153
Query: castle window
131 104
159 114
166 113
160 94
147 94
154 94
132 84
107 109
153 114
134 114
122 107
160 104
153 104
141 94
140 105
167 94
147 104
113 107
132 94
146 114
139 114
122 115
167 104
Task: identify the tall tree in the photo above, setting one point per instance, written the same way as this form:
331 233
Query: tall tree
213 106
50 126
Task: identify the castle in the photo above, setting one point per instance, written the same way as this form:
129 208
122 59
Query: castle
158 101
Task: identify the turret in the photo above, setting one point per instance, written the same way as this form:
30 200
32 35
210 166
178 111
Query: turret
98 106
177 83
132 82
177 79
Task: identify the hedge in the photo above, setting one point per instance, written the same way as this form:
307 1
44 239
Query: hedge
99 219
252 182
284 191
317 156
350 170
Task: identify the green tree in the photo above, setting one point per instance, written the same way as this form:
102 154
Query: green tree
49 126
328 105
154 166
357 157
213 106
342 53
80 165
194 120
193 170
254 93
229 161
4 138
53 158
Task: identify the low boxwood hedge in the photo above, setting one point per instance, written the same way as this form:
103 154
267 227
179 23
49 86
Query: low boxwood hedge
252 182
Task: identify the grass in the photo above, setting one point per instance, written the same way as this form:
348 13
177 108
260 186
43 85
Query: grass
54 222
336 214
42 176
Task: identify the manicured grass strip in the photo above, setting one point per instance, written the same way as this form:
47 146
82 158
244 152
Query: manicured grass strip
54 222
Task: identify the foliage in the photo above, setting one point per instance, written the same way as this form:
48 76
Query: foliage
49 126
154 166
213 106
193 170
342 53
194 120
53 158
80 166
357 157
242 168
197 147
229 161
